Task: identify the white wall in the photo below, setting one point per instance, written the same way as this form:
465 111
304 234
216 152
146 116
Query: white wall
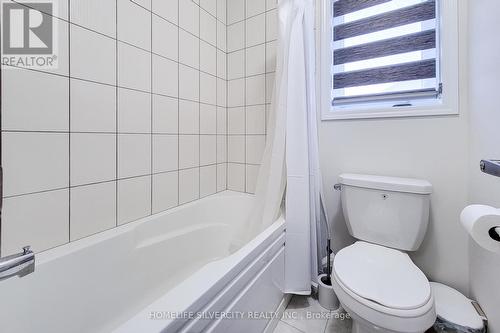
431 148
484 85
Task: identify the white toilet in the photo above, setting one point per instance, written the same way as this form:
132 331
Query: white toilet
374 279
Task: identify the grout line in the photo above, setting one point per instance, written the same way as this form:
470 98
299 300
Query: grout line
245 95
69 123
108 36
116 113
253 16
178 109
151 150
199 98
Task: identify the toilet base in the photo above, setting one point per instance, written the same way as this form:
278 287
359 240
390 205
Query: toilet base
357 327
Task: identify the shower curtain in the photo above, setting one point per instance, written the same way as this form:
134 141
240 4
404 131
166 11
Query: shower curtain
291 156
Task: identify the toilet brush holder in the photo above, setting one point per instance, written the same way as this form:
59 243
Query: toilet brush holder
326 295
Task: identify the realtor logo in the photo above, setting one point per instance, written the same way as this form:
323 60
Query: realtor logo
28 38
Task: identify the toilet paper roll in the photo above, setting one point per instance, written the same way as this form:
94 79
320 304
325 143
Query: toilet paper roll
482 223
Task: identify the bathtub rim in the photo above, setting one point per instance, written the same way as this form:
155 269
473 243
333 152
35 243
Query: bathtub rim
206 282
72 247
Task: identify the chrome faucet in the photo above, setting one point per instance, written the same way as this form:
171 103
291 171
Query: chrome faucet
20 264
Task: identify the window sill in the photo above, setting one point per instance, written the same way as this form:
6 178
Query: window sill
392 112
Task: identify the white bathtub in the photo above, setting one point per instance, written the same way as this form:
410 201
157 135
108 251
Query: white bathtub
155 275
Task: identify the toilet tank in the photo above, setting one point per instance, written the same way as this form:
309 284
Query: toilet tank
388 211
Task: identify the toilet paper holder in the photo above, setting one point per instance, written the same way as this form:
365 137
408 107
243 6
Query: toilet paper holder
490 167
495 233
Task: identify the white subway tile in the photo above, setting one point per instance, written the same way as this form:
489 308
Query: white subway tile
134 155
134 68
208 119
270 4
134 111
221 92
256 30
255 145
40 220
97 15
93 158
236 93
208 58
221 36
256 119
189 49
189 117
189 151
221 148
34 162
165 191
93 209
221 177
165 77
167 9
189 83
256 90
189 17
235 11
34 101
221 65
210 6
236 120
271 25
134 24
236 65
255 7
236 177
165 152
165 115
134 199
256 60
88 64
236 36
221 120
208 180
165 37
189 185
96 114
222 10
208 89
236 148
208 149
208 28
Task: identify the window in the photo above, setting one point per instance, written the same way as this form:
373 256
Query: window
386 58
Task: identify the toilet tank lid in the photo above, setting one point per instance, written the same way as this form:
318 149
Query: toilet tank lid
396 184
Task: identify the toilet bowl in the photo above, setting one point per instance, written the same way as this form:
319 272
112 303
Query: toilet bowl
382 290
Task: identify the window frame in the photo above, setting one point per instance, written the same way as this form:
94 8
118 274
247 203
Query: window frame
449 71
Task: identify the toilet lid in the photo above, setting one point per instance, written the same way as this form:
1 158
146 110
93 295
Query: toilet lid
382 275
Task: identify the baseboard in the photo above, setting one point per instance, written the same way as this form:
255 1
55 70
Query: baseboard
271 326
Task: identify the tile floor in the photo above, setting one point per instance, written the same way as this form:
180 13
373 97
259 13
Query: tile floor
305 315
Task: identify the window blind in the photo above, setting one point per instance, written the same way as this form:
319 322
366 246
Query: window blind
384 50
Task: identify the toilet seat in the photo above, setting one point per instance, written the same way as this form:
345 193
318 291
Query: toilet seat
382 275
383 270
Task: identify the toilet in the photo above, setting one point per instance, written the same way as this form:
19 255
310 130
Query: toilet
375 279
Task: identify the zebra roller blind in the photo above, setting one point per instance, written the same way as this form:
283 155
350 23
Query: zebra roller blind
385 50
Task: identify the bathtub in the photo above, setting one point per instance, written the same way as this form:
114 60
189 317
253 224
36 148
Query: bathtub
184 270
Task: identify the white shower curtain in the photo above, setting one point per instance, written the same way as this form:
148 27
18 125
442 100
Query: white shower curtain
291 156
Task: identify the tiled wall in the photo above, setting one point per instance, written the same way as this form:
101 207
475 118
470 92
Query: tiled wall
132 123
251 62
